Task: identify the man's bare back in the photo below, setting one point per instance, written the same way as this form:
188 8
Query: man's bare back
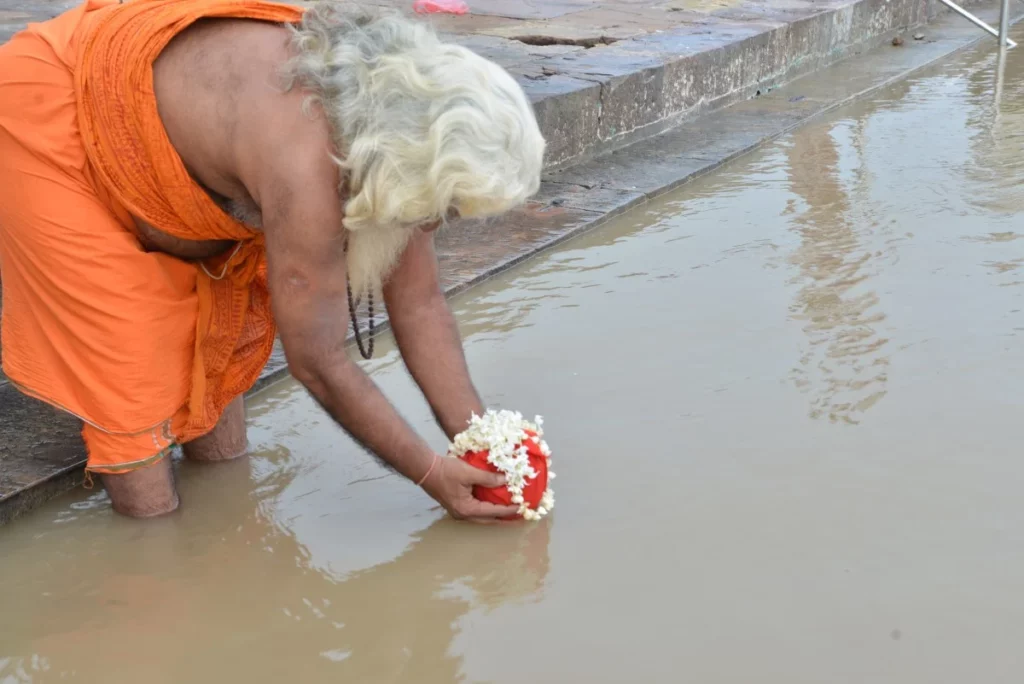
218 83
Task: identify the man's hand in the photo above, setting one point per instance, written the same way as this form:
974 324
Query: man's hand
451 484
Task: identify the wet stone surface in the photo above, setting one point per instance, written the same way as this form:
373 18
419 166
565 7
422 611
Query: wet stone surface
41 452
471 251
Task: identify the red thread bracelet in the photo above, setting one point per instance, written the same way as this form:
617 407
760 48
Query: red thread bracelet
429 470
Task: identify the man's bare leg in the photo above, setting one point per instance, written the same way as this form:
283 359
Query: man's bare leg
145 492
226 441
148 492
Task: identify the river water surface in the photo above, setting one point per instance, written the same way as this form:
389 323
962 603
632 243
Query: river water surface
786 410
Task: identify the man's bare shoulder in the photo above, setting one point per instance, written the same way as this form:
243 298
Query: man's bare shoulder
284 142
237 128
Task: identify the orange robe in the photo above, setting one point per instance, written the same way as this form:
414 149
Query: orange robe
145 348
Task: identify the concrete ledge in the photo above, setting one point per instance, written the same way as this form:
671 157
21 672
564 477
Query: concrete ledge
41 454
602 99
40 451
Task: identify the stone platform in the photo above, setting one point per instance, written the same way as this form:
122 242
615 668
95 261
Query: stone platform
622 90
605 74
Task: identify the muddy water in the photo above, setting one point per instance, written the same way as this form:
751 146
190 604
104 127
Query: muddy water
786 411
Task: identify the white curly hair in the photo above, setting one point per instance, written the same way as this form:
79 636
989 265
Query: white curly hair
422 128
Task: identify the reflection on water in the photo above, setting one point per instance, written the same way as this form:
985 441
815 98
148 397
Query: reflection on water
203 591
996 163
783 401
845 364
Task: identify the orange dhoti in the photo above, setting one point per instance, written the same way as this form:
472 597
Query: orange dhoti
146 349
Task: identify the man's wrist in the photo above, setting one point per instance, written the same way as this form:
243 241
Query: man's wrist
418 467
433 466
453 428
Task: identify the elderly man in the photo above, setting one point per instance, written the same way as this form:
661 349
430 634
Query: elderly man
182 180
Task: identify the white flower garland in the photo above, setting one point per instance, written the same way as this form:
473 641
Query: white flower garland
499 433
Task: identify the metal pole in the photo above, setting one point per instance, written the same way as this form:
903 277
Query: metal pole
1004 37
1004 24
1000 76
978 22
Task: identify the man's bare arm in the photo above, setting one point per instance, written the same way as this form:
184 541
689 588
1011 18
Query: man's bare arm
288 170
306 259
428 336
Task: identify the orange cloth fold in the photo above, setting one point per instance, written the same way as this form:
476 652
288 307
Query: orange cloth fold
145 348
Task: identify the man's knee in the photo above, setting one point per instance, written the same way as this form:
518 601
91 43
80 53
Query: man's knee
226 441
145 492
